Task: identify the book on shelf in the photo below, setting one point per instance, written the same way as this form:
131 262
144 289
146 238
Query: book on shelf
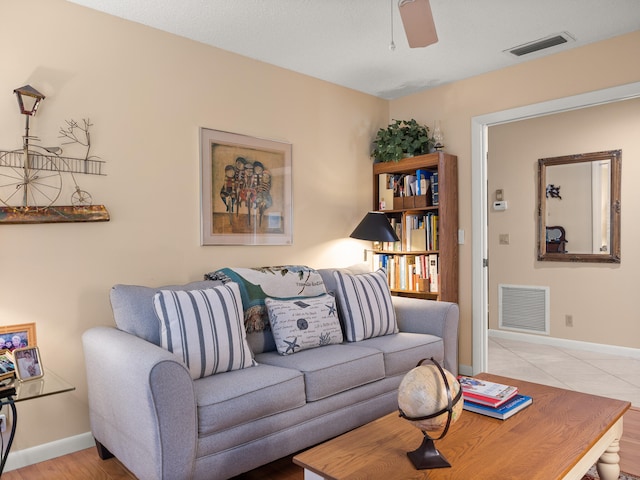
484 392
378 261
435 200
410 185
402 273
433 272
504 411
418 240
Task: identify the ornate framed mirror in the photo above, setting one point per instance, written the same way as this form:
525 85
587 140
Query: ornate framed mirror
579 207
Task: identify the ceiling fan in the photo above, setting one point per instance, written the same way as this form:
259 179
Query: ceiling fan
418 22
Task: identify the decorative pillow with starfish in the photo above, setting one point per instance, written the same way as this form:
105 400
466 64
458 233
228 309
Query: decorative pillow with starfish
304 323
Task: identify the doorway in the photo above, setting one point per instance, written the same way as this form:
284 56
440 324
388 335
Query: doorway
480 197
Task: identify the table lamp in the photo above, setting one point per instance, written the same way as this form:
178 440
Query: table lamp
375 227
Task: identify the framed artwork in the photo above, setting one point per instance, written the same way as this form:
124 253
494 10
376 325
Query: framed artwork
17 336
28 364
245 190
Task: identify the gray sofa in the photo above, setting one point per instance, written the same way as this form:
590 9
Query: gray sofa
146 409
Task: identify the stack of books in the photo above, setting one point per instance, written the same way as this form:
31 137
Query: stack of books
492 399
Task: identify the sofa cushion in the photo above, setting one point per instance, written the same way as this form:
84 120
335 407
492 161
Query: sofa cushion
329 279
204 328
256 284
365 304
242 396
331 369
304 323
402 351
133 308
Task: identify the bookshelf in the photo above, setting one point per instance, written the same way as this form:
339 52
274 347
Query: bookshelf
411 209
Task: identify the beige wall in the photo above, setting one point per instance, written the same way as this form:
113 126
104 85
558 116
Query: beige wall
147 94
600 297
593 67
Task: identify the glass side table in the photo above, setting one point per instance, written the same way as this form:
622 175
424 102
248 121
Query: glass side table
17 391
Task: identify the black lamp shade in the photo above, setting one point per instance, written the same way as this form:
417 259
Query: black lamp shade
375 227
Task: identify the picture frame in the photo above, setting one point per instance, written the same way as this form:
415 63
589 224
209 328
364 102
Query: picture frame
28 363
246 191
7 367
17 336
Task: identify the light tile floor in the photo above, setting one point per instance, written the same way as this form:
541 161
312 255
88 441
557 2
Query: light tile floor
596 373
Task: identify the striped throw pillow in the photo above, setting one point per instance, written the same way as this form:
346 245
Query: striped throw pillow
205 328
365 305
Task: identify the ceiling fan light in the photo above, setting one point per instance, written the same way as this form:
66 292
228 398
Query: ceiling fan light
418 22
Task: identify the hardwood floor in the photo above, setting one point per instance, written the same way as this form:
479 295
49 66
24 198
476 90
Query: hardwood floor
86 464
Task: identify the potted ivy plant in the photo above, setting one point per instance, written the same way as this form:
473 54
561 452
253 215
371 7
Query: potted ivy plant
402 138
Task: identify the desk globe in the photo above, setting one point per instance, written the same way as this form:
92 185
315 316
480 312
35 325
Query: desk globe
431 399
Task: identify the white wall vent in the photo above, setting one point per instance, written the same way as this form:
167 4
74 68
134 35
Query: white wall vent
523 308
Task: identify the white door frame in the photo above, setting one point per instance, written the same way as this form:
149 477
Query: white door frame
479 198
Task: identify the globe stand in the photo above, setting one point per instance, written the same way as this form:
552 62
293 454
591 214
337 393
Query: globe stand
427 455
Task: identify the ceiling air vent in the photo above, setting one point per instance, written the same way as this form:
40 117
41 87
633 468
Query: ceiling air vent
542 44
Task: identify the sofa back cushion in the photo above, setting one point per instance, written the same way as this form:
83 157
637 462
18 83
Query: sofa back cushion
330 281
365 304
205 328
133 309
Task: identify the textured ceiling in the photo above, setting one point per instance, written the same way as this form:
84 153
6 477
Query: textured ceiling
346 42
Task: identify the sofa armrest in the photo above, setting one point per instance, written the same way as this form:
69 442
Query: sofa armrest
435 318
142 404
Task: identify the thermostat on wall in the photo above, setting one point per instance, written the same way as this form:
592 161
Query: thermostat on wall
500 206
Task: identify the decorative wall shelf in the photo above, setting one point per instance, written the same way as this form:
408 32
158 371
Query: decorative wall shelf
58 214
31 179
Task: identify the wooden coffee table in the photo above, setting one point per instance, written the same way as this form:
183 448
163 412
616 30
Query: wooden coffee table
560 436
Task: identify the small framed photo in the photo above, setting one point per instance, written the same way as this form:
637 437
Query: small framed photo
28 364
7 368
17 336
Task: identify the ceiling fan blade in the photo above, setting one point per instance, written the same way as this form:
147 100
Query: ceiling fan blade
418 22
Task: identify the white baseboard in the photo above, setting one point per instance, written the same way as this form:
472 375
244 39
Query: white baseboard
564 343
29 456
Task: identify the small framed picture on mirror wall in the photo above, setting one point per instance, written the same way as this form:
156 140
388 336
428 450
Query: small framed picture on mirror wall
28 364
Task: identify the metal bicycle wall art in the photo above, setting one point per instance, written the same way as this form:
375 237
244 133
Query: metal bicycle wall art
32 178
246 190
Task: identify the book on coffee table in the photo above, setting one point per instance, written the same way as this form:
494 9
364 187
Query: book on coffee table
506 410
484 392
